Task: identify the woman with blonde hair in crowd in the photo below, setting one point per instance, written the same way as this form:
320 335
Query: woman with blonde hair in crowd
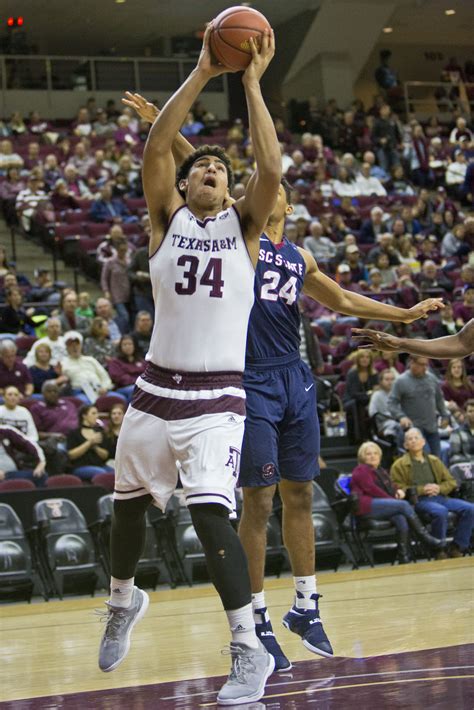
379 498
361 380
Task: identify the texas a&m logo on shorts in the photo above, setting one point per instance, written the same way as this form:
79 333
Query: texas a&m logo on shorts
234 460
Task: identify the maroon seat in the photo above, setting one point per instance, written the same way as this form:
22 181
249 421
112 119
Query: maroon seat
340 328
64 480
97 229
105 480
340 389
77 402
345 366
17 484
73 217
63 231
105 402
24 343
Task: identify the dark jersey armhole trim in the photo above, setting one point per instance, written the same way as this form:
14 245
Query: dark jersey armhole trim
150 256
243 236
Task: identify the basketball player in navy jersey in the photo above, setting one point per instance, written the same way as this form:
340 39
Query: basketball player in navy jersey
281 442
189 405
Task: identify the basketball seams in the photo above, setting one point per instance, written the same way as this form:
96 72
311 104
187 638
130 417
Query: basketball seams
217 53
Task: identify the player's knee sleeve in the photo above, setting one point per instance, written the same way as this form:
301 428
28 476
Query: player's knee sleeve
225 556
127 535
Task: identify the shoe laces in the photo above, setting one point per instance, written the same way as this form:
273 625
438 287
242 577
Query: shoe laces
242 664
114 618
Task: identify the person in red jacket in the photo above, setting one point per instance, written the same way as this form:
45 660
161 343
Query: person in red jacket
378 498
128 364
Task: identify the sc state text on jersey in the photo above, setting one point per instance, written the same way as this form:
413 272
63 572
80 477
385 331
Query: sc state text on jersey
278 260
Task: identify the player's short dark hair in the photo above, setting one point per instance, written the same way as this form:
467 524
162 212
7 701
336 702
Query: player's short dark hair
287 187
215 150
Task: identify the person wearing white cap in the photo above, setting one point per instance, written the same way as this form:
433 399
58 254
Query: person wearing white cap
87 376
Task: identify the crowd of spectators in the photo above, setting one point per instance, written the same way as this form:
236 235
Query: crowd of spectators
383 205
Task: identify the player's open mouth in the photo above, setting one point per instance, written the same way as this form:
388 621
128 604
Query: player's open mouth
210 181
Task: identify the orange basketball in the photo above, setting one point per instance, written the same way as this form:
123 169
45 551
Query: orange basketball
230 35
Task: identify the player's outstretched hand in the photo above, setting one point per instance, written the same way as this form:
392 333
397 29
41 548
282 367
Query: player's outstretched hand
260 58
146 110
369 339
206 62
423 309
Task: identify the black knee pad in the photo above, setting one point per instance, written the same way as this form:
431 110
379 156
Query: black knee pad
132 508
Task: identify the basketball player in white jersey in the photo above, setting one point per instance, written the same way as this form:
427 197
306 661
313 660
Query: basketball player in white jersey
189 405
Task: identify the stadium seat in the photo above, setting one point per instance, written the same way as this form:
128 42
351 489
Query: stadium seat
17 484
66 547
16 560
106 480
64 480
105 402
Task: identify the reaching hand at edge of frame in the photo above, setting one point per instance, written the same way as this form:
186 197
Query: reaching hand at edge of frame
145 109
423 309
377 340
206 62
261 57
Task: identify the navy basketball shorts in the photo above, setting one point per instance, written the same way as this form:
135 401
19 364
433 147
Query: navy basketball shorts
281 438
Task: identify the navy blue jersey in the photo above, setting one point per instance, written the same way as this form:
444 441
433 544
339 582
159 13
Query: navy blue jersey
274 325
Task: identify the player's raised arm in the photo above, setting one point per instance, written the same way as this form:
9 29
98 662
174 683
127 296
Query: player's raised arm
323 289
452 346
147 111
159 168
262 189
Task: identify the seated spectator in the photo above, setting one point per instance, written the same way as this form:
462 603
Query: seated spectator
456 174
53 339
84 307
460 132
126 366
433 484
457 387
54 415
76 186
379 411
103 125
15 450
453 242
344 185
81 159
379 498
361 380
299 209
98 173
446 324
86 446
14 415
387 272
108 209
62 199
322 248
386 246
372 227
67 315
116 415
36 125
33 157
44 370
27 201
124 135
368 184
13 318
399 184
87 376
461 441
98 343
431 277
389 361
464 311
352 257
44 289
9 159
142 331
103 309
9 191
344 278
83 125
13 371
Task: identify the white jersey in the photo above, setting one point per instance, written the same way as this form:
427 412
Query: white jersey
202 280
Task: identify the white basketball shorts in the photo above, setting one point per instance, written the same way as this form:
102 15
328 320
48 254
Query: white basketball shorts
191 420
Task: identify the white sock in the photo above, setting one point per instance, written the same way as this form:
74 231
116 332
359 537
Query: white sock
121 591
258 602
305 588
242 626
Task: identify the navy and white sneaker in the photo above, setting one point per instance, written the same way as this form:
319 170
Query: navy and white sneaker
308 625
266 635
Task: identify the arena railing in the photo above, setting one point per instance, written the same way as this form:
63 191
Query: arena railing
424 99
59 79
